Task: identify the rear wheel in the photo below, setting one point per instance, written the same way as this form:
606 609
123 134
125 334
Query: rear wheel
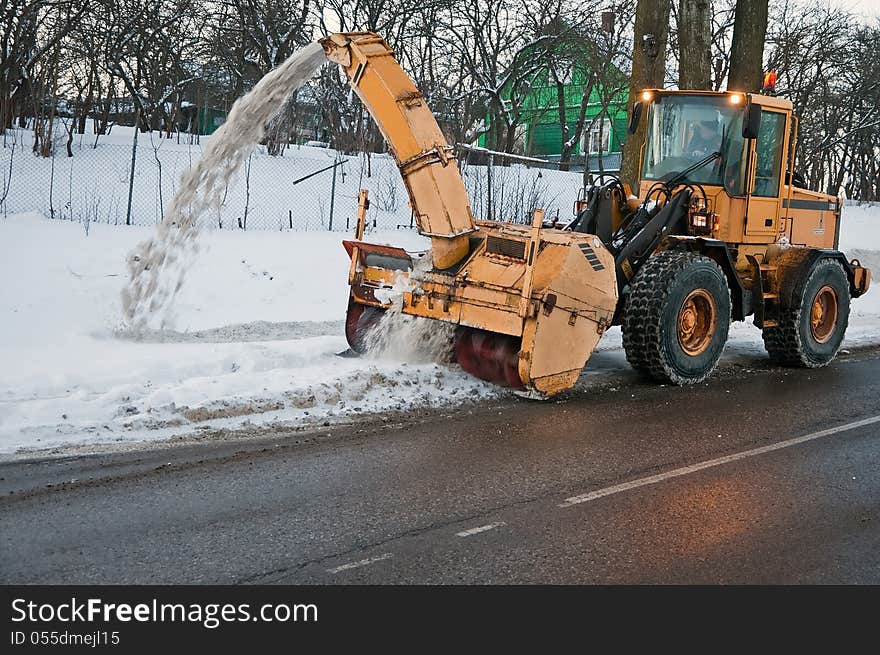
811 329
676 317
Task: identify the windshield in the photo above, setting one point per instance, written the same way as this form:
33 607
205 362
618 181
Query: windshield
684 130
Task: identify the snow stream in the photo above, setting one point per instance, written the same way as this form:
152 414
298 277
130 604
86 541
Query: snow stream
401 337
157 267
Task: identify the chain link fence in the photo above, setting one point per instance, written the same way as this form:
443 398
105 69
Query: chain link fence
306 188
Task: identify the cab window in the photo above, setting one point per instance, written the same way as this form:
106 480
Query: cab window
769 154
684 130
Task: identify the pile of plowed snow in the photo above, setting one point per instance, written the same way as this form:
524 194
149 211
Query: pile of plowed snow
258 326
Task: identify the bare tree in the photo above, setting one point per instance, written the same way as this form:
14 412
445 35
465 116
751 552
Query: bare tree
151 49
648 67
29 30
498 60
829 67
270 31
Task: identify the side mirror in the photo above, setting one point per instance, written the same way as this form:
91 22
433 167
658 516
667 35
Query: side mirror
751 121
635 117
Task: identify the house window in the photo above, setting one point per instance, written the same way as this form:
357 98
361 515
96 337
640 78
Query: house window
599 137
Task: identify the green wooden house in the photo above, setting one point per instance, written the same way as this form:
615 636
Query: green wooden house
542 134
210 119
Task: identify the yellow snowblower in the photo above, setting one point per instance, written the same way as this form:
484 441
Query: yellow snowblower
721 231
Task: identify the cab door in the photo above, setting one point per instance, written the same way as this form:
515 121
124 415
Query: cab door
765 174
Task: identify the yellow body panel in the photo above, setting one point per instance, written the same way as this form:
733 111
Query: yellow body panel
426 162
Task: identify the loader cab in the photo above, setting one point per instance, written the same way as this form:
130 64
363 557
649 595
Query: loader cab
750 136
685 127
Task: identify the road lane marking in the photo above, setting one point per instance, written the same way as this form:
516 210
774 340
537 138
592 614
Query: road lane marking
693 468
478 530
359 563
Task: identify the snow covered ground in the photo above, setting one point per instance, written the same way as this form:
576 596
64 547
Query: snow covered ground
259 323
279 192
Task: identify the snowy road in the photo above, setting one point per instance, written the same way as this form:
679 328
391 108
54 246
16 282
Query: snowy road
239 448
760 477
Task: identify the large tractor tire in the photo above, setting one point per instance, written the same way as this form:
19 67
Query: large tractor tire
812 326
676 317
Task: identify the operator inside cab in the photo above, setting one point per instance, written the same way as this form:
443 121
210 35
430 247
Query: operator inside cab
706 139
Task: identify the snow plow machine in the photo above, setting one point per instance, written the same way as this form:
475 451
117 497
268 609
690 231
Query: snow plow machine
720 231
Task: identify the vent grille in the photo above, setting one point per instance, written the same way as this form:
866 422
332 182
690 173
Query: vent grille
506 247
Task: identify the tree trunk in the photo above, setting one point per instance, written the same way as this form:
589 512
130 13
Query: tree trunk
747 47
571 139
509 143
86 108
694 44
649 65
563 126
6 113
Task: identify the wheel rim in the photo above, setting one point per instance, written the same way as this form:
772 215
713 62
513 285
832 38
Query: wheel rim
823 315
696 322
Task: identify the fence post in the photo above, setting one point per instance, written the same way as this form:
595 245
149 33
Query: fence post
247 193
134 143
489 164
52 187
333 192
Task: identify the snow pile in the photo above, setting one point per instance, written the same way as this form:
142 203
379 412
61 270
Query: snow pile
259 325
860 239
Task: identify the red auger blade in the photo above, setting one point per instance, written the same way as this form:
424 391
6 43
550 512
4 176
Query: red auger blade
489 356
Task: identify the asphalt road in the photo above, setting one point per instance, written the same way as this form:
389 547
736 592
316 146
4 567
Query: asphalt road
639 484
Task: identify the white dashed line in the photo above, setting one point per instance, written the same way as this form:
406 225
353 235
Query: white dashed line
478 530
360 563
693 468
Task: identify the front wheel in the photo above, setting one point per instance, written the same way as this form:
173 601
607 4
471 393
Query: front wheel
676 317
812 327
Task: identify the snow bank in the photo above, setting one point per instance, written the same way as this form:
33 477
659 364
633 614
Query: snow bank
259 323
860 239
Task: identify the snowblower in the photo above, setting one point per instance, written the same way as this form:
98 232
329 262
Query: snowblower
721 232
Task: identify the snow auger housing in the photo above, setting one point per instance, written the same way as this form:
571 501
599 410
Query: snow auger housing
722 230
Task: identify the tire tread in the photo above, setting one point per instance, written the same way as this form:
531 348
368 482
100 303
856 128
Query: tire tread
642 317
783 342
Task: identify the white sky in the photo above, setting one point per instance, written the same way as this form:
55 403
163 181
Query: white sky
866 7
